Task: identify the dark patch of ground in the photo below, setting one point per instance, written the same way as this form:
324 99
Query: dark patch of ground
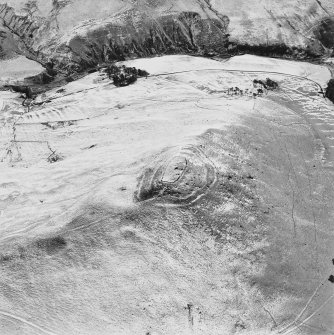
325 33
51 245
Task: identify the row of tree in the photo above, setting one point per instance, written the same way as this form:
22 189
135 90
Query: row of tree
275 50
124 76
330 90
268 84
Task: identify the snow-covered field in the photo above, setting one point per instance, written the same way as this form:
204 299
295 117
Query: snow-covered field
16 69
88 246
318 73
128 125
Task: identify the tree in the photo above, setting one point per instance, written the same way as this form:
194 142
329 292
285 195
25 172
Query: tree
271 85
330 90
124 76
30 8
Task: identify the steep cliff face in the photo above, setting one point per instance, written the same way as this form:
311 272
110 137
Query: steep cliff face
185 32
79 33
17 33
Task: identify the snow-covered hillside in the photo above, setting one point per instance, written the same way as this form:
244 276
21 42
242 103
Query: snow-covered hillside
172 206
